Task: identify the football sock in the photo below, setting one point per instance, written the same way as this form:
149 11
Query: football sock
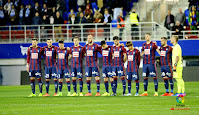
106 85
98 85
89 85
129 86
32 84
74 86
171 84
47 86
124 84
112 87
40 84
145 84
166 84
56 85
68 85
115 84
60 86
137 85
81 84
156 84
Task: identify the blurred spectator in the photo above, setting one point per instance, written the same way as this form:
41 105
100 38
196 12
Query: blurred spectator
193 18
80 3
36 20
61 4
45 11
180 17
106 19
178 28
2 16
1 3
88 11
45 20
51 19
81 19
59 9
186 12
88 14
71 13
16 4
134 24
28 15
169 21
53 12
120 25
97 17
36 8
88 4
73 21
58 29
7 6
79 11
22 15
13 16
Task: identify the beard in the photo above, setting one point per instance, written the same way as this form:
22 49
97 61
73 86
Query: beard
90 42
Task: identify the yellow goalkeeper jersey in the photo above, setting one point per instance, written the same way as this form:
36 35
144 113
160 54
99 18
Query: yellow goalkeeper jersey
177 51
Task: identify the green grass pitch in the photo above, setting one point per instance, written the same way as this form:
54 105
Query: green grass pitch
14 100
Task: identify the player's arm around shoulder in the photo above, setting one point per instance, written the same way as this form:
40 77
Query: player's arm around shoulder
156 47
142 51
70 53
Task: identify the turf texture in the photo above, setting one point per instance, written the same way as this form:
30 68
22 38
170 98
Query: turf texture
14 100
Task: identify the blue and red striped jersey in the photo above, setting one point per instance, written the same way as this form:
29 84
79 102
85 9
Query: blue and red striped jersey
107 56
34 58
62 58
165 55
50 56
118 56
91 54
149 52
133 58
77 56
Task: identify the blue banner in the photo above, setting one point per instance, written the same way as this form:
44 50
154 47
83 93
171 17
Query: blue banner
189 48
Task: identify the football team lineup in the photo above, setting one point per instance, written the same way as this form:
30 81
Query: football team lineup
114 57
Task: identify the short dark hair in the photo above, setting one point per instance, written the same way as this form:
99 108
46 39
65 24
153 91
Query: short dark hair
49 39
148 34
61 42
103 42
164 38
115 38
129 43
76 37
34 39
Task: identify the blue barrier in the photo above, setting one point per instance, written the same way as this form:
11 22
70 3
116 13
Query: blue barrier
189 48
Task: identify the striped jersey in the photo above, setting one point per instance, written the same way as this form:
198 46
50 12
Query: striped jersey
77 56
62 58
133 59
91 54
118 56
165 56
149 52
34 58
50 55
107 56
